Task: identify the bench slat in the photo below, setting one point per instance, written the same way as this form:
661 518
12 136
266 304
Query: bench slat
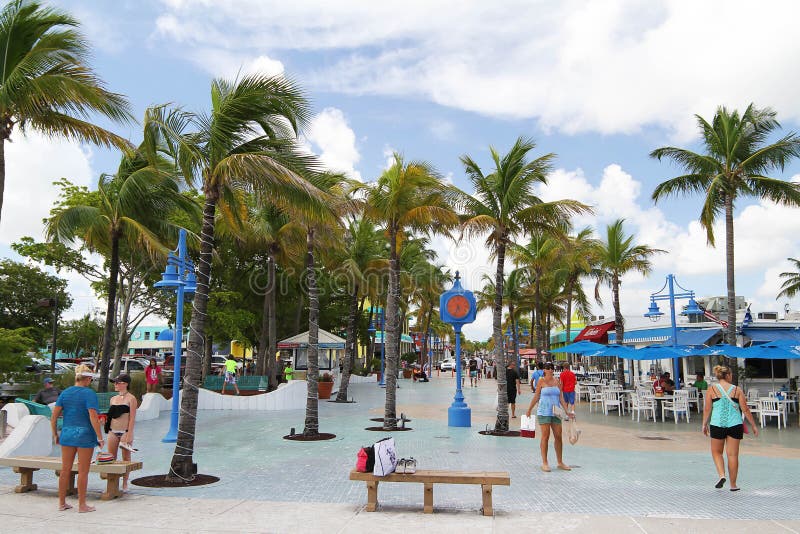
495 478
51 462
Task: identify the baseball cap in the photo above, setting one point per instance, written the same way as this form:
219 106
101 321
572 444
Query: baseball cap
47 380
122 378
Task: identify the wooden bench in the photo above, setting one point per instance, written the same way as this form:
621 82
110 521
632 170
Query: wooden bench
428 478
26 465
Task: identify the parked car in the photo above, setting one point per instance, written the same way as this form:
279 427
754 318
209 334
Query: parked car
448 365
218 362
132 365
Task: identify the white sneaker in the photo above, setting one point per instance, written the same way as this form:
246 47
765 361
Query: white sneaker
410 466
401 466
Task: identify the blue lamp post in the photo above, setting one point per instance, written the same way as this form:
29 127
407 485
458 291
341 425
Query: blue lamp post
458 307
655 314
178 277
382 324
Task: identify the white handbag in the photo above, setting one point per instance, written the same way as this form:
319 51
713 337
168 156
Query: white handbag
385 457
527 426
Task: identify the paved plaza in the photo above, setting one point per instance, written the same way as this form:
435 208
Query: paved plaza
626 477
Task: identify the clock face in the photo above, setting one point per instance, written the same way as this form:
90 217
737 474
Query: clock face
458 306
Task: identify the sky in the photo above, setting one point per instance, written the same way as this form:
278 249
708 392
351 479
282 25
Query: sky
598 83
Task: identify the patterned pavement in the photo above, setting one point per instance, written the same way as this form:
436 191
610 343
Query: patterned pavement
254 463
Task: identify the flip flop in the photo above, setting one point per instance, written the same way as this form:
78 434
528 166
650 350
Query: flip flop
735 489
64 507
546 469
87 510
720 483
565 467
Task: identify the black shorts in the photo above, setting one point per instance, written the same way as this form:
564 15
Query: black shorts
722 432
512 396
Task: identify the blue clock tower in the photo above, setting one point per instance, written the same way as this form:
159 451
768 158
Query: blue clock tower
458 307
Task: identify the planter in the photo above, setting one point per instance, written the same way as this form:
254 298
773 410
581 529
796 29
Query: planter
407 373
378 376
325 389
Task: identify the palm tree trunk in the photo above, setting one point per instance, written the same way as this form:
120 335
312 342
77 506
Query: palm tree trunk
182 465
532 337
208 352
730 332
299 314
272 350
392 323
619 325
344 381
568 328
501 424
263 349
5 132
111 313
121 344
312 376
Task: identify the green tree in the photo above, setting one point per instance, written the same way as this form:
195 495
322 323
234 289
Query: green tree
791 282
247 141
735 163
130 210
81 337
580 258
21 288
14 346
407 196
46 84
504 206
619 256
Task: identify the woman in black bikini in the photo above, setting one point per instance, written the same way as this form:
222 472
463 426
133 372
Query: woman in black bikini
120 421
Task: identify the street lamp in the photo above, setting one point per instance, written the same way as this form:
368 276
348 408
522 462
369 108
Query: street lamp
178 277
655 314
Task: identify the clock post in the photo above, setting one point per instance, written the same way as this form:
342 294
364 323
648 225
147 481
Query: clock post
458 307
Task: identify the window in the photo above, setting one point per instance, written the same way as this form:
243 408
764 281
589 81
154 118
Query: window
766 368
147 336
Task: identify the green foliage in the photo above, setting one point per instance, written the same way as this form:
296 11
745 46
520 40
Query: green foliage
81 337
375 365
138 386
14 344
21 288
326 377
409 357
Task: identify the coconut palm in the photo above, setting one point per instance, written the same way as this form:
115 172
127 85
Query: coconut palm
247 141
407 196
504 206
791 284
580 256
736 161
46 84
133 209
619 256
364 256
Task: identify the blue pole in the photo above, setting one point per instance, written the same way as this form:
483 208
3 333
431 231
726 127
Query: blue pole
172 433
459 414
383 350
675 366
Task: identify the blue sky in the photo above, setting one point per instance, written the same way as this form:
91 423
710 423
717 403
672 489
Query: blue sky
600 84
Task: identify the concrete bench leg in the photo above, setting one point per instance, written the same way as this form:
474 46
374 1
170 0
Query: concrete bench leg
428 498
25 479
486 489
372 496
112 486
71 489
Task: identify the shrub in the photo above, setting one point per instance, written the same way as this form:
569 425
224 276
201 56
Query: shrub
326 377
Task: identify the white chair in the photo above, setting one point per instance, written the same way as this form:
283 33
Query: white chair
770 407
642 402
595 397
680 405
694 397
752 395
612 399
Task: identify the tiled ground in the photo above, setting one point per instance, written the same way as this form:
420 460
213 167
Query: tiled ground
246 451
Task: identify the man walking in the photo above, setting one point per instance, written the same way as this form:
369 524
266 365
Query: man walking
568 382
513 388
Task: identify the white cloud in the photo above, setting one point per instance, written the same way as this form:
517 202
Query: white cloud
335 142
613 66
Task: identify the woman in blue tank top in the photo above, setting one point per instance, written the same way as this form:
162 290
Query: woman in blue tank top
548 395
80 434
723 411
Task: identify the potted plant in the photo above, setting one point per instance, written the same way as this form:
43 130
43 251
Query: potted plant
410 359
375 365
325 386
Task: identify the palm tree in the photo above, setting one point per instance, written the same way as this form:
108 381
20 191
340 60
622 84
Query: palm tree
246 142
504 206
133 209
406 196
46 84
364 255
619 256
580 256
791 284
735 163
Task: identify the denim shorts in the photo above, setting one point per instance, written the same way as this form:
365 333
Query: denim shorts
569 397
548 420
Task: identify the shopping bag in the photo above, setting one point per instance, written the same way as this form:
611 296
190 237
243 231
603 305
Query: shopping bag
385 457
527 426
573 431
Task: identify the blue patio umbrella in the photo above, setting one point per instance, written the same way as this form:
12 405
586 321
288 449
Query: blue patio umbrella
774 350
580 347
722 349
614 350
662 352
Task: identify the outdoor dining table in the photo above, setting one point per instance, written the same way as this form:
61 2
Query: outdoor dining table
658 403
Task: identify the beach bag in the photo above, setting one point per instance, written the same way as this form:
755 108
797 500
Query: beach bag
385 457
573 432
104 458
527 426
365 461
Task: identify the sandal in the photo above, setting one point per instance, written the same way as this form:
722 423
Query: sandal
401 466
64 507
720 483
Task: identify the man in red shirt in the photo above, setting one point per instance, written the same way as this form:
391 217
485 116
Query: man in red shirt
568 381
